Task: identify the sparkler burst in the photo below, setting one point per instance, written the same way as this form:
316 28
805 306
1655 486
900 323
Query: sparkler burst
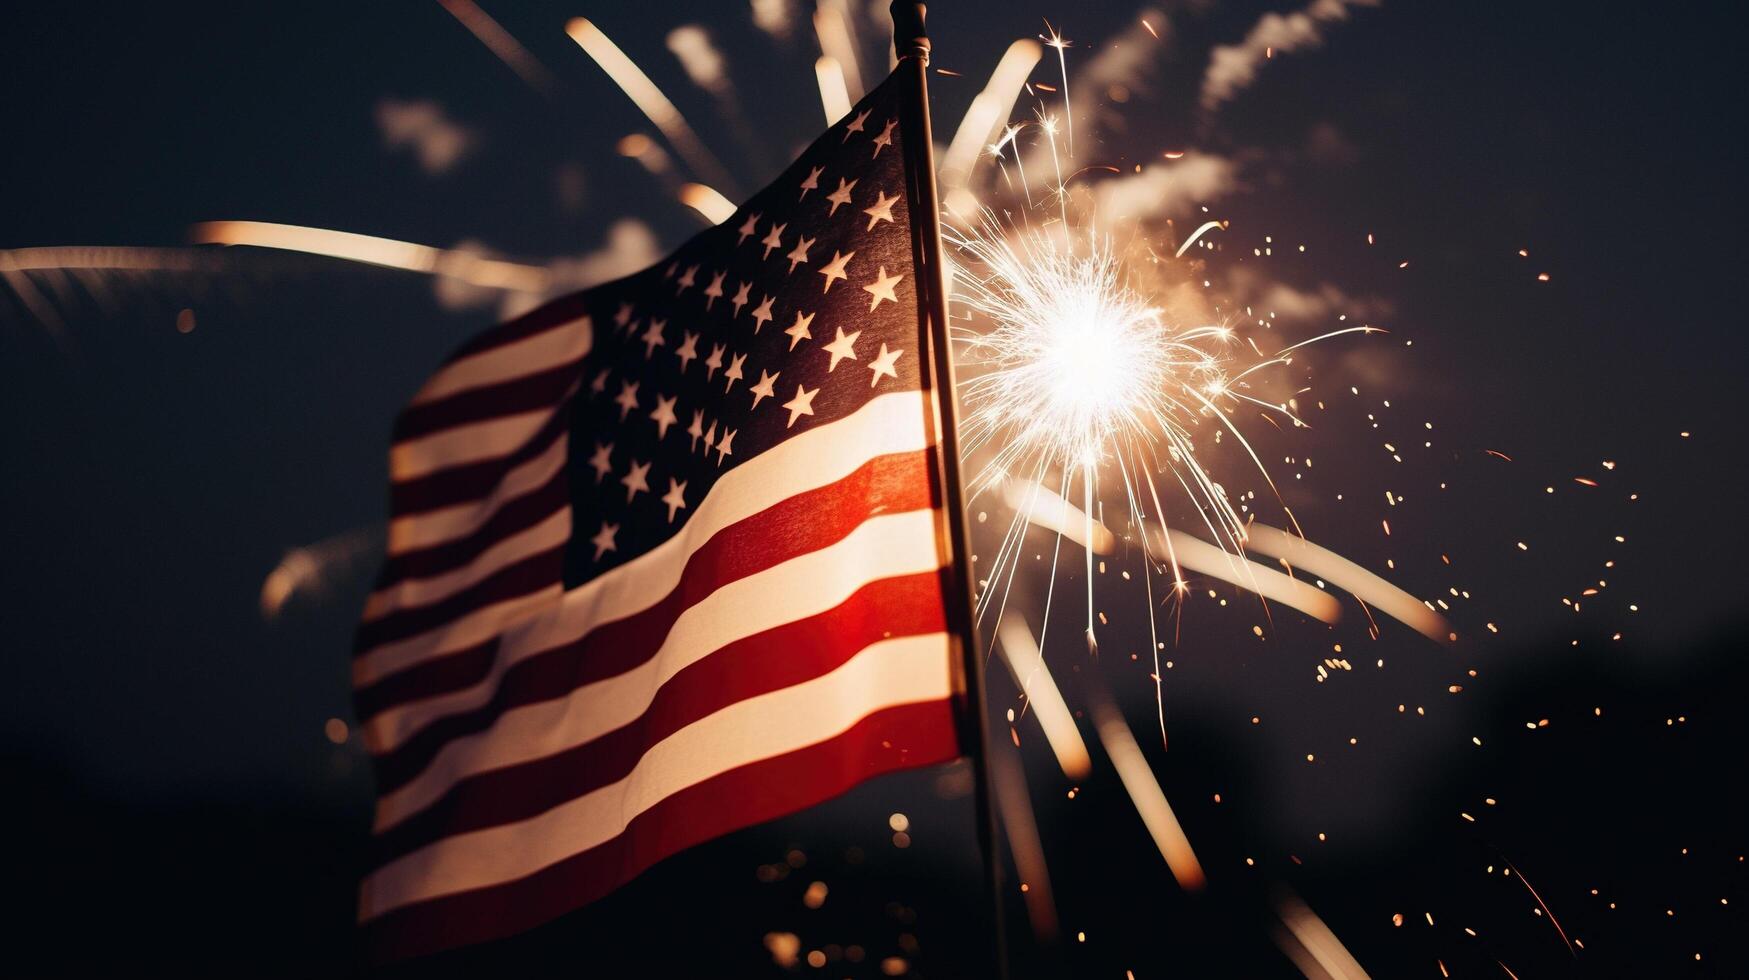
1078 361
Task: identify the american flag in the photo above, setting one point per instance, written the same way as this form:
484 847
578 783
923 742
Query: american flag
667 558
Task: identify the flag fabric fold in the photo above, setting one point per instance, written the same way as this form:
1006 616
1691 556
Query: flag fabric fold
667 558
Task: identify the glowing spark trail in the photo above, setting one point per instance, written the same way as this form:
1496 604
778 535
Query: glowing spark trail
834 97
648 98
1339 571
708 202
982 121
1056 41
474 269
832 26
1144 790
501 43
1020 652
1207 225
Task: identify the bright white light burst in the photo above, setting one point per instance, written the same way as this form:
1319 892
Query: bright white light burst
1077 361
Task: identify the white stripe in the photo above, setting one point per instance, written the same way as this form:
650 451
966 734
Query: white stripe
909 670
555 530
891 423
432 527
531 355
883 547
463 444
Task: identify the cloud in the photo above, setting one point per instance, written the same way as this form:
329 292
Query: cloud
772 17
1327 146
570 186
1165 189
1325 302
630 246
1378 363
1232 68
421 126
318 571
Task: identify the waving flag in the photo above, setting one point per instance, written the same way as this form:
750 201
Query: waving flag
667 558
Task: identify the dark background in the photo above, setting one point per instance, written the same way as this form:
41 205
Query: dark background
175 802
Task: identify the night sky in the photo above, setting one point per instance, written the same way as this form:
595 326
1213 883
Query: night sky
177 799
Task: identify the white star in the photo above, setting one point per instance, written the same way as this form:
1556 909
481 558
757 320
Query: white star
653 336
835 268
761 313
635 481
884 365
723 447
799 254
798 330
855 125
812 182
675 498
740 299
749 228
696 429
882 288
763 389
624 316
713 363
885 139
602 461
801 404
628 398
882 210
773 239
841 348
710 439
688 349
714 291
840 196
686 278
733 374
599 383
603 540
664 414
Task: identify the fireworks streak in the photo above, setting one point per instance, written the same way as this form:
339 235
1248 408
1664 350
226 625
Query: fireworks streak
502 44
713 206
1312 946
834 97
1299 553
1020 653
648 97
465 266
1144 790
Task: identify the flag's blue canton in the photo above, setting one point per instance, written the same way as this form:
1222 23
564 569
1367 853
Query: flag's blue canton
792 313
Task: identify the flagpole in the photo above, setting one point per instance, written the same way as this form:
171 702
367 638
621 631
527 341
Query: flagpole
911 44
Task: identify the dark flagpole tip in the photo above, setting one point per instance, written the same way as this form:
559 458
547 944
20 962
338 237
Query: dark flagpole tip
909 37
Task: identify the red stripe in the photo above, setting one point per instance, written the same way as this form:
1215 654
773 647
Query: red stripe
451 672
544 385
801 524
523 577
894 738
769 661
512 517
